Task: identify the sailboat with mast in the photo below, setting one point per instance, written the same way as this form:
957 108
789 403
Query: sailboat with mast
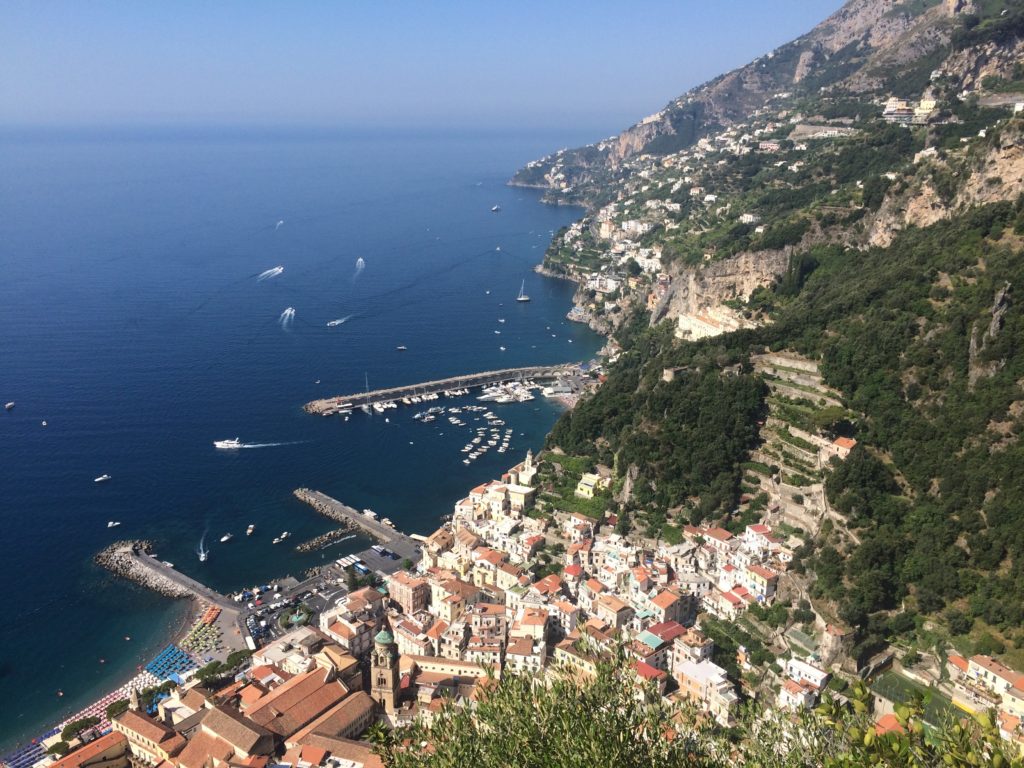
522 293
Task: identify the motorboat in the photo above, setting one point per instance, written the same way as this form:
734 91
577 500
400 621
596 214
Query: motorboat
102 479
113 524
401 348
226 537
9 406
250 529
228 444
495 208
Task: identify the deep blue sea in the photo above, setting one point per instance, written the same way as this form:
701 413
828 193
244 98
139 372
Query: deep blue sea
132 322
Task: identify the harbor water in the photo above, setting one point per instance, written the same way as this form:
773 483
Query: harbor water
142 318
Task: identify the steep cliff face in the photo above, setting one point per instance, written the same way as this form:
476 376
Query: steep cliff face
704 289
993 172
856 48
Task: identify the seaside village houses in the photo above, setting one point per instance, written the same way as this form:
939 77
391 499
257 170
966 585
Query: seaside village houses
475 609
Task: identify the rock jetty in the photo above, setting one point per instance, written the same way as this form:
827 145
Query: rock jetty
325 540
127 559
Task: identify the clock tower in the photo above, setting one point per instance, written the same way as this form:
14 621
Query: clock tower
384 676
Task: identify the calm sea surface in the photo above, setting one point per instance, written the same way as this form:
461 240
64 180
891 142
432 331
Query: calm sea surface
133 322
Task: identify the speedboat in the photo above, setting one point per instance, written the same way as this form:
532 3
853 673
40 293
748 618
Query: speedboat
495 208
401 348
9 406
113 524
228 444
102 479
203 555
250 529
226 537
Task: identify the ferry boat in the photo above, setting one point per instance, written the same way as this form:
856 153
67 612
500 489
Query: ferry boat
522 293
226 537
250 529
102 479
228 444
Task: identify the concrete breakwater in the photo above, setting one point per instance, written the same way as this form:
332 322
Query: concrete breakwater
331 405
127 559
326 539
346 515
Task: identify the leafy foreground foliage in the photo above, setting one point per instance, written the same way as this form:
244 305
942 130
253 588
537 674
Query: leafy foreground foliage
607 722
522 722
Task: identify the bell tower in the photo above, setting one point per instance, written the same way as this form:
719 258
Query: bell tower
384 676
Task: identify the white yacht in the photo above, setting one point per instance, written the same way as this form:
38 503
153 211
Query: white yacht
250 529
113 524
102 479
495 208
226 537
228 444
9 406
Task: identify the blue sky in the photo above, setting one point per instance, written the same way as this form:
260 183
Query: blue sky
494 64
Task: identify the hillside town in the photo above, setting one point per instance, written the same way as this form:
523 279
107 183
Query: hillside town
677 236
513 584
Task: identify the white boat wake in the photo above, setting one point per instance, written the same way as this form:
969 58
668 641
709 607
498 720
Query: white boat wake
269 273
272 445
360 266
287 318
278 225
339 321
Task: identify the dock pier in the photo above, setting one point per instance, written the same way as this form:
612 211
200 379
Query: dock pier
402 545
329 405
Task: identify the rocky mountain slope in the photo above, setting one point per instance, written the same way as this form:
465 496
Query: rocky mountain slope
868 48
854 202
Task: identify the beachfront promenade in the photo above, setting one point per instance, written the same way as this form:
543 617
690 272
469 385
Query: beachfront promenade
330 405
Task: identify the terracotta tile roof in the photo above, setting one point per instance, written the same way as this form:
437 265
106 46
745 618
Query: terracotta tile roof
549 585
202 748
149 729
719 534
340 720
437 629
92 750
575 571
888 723
666 599
647 672
241 733
346 749
845 442
999 670
289 707
764 573
667 630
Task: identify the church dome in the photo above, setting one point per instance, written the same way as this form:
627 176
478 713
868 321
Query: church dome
384 638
